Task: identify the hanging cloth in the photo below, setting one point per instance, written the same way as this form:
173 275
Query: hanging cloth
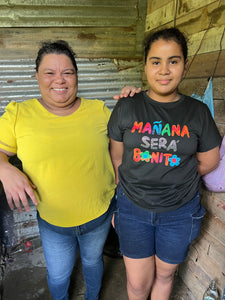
215 180
207 97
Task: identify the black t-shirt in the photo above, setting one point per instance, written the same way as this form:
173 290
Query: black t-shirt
159 165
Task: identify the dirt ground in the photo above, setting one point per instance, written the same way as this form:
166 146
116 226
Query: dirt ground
25 279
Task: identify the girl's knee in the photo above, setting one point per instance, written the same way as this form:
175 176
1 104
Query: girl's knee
165 277
139 289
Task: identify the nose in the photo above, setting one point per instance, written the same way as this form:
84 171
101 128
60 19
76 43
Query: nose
59 78
164 68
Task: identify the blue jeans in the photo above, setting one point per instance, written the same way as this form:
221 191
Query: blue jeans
60 245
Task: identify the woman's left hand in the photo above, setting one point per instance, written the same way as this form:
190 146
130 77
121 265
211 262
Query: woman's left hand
127 91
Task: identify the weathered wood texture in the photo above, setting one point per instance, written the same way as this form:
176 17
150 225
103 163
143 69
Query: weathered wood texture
191 15
206 256
87 42
94 28
202 21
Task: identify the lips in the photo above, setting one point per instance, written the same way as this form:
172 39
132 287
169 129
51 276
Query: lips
164 81
59 90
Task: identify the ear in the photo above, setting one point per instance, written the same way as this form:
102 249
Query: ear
36 75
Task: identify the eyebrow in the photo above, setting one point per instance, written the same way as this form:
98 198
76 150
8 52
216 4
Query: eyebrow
171 57
68 69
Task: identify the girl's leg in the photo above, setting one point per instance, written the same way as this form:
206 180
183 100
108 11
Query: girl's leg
163 283
175 230
140 276
60 254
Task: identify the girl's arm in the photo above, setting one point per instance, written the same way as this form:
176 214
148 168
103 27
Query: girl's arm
116 152
208 161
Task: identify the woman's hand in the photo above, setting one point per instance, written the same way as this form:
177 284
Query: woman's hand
16 185
127 91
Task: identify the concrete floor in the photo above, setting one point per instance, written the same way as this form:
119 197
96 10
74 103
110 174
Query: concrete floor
25 279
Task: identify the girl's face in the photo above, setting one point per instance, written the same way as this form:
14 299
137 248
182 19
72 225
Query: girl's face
164 68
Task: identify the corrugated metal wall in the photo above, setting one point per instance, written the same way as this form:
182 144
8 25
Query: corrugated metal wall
98 78
64 13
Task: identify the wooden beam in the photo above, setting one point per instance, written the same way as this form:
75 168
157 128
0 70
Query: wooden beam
87 42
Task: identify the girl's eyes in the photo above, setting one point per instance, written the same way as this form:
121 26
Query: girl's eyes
172 62
155 63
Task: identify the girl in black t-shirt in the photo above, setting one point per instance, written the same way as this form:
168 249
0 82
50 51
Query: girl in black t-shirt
161 143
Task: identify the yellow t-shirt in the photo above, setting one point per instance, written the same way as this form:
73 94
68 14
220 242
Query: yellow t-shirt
66 157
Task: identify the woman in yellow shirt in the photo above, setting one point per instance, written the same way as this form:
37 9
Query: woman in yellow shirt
62 142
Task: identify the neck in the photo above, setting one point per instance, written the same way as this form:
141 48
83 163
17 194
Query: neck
65 110
164 98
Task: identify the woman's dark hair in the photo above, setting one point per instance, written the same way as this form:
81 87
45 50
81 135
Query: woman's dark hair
172 33
56 47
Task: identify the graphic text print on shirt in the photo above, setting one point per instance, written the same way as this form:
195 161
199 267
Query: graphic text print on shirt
159 142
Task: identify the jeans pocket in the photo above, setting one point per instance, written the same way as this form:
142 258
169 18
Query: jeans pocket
196 223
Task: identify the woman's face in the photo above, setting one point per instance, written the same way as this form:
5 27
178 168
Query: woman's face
57 81
164 68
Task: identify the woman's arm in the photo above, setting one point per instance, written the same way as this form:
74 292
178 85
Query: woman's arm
116 152
15 183
208 161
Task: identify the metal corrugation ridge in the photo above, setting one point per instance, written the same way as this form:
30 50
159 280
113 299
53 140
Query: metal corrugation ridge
62 13
97 78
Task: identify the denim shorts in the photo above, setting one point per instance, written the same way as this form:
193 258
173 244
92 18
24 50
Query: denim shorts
167 235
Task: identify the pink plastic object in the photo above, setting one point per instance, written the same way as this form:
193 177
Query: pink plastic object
215 180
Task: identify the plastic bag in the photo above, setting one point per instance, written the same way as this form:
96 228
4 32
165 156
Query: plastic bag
215 180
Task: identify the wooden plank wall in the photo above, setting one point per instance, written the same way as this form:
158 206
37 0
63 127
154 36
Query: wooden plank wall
94 28
203 23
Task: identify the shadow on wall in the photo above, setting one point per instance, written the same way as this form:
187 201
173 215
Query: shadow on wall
7 234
